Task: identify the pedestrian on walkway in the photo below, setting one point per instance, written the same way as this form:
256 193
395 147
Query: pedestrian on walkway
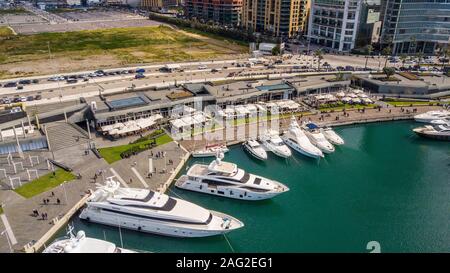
43 216
58 201
53 194
131 180
48 201
44 201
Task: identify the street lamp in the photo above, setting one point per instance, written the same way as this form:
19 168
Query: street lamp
7 239
65 193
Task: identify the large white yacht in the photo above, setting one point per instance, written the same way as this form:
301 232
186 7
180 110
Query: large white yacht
317 138
331 136
148 211
439 131
432 115
272 142
210 150
82 244
227 180
296 138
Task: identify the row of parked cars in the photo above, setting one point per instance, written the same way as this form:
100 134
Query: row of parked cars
19 84
17 98
96 74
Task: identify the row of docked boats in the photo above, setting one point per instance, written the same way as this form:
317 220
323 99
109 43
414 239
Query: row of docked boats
438 125
309 140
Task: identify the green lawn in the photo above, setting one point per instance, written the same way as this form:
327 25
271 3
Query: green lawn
1 210
112 154
408 103
44 183
347 107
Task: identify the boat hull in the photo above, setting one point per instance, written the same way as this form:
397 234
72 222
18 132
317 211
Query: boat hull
297 148
152 226
226 192
253 153
433 136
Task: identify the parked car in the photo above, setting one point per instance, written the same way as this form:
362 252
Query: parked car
38 97
30 98
71 80
139 76
35 81
202 67
214 70
24 82
19 87
10 84
140 70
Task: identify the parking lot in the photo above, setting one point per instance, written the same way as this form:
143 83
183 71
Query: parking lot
19 19
99 15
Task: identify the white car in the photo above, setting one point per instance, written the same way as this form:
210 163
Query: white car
202 67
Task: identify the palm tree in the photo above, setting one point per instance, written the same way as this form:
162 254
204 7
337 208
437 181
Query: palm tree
403 59
419 57
319 54
369 50
387 51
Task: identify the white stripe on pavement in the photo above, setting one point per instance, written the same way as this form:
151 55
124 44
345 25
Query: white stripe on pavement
9 231
119 178
139 177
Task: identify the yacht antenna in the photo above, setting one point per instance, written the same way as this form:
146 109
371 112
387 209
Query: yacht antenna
120 235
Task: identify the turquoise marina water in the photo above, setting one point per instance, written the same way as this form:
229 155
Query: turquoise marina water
385 184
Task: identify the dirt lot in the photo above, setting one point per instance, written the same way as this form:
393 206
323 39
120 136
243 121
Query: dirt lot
25 55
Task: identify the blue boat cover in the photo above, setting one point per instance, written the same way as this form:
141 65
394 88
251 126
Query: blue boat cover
311 126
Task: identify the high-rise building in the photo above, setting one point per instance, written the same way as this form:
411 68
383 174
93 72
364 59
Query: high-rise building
334 23
284 18
224 12
369 26
158 4
413 26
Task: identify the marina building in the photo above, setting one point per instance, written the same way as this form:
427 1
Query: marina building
334 23
280 18
224 12
416 26
158 4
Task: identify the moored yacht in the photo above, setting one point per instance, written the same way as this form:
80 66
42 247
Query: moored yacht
227 180
83 244
432 115
210 150
295 138
255 149
331 136
153 212
439 131
272 142
317 138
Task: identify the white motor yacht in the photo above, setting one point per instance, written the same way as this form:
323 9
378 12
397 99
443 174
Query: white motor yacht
317 138
227 180
432 115
296 138
272 142
153 212
439 131
82 244
331 136
210 150
255 149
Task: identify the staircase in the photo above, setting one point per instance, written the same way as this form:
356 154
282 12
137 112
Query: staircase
63 135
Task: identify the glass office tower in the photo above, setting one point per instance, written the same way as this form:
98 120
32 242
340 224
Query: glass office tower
416 25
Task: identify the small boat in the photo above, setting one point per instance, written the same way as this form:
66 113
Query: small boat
210 150
318 139
331 136
432 115
439 131
254 148
82 244
272 142
296 138
440 121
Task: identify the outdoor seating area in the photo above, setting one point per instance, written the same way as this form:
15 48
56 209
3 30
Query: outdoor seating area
348 96
251 110
130 127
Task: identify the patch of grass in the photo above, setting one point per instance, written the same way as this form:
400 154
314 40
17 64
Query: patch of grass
44 183
347 107
13 11
129 45
112 154
411 103
1 210
5 32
